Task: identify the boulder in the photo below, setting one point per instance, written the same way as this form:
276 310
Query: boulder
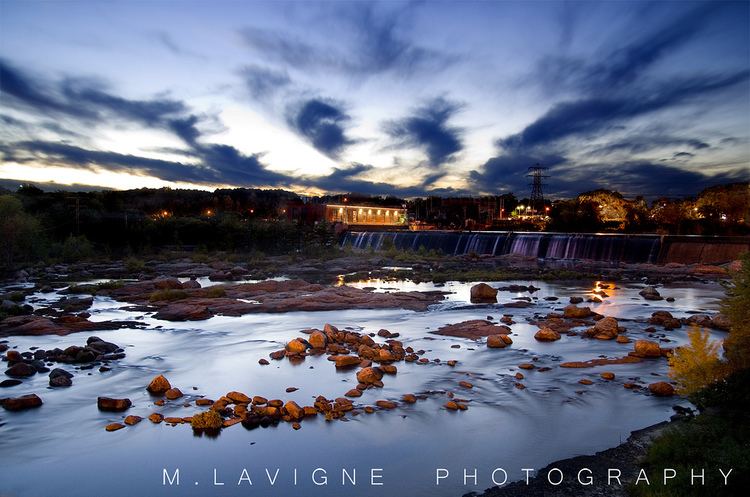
20 370
239 398
604 329
132 420
547 335
9 383
650 293
386 404
369 376
318 340
661 389
21 403
114 426
113 405
496 342
294 411
646 348
607 375
60 381
173 393
483 293
183 311
158 385
665 319
156 418
296 346
576 300
574 312
344 361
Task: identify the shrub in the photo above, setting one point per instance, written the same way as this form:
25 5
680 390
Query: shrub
76 248
737 308
168 295
134 265
696 365
215 292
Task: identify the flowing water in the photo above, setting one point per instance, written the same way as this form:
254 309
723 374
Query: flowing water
61 449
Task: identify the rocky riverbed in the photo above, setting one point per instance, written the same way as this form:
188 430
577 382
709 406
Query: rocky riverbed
413 375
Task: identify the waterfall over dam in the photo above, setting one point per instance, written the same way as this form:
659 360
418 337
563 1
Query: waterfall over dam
599 247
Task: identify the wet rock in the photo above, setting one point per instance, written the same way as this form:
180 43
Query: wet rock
113 405
132 420
585 381
318 340
354 392
496 342
239 398
159 385
665 319
344 361
661 389
604 329
294 411
369 376
386 404
389 368
519 376
180 311
475 328
279 354
451 405
526 365
547 335
297 346
21 403
204 402
575 312
114 426
20 370
646 348
650 293
629 359
622 339
465 384
207 420
9 383
483 293
60 381
263 362
607 375
13 356
409 398
156 418
576 300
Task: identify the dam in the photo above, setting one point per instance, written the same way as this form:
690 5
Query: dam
609 247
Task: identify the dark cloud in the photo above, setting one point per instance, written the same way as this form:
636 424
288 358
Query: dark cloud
323 122
376 43
24 90
263 82
597 115
427 129
683 156
635 144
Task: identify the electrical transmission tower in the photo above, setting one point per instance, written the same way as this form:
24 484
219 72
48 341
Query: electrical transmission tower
536 201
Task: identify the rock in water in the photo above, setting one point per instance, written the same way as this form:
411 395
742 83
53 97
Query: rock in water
318 340
369 376
661 389
483 293
21 370
646 348
650 293
21 403
547 335
113 405
173 393
574 312
159 385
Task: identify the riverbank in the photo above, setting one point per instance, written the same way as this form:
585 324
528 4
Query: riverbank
625 457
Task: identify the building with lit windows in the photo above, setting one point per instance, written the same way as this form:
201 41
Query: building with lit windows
365 215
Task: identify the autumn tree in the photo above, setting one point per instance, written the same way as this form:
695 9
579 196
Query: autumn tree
697 364
737 308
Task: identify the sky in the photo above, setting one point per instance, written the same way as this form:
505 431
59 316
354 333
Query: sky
398 98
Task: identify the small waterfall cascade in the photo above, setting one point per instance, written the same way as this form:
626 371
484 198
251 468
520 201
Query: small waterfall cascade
599 247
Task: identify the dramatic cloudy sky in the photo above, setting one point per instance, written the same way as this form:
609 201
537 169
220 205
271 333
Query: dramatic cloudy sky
400 98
